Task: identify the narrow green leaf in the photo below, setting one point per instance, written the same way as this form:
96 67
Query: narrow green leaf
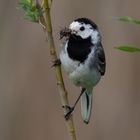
128 48
128 19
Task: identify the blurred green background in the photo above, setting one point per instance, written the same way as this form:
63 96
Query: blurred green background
30 107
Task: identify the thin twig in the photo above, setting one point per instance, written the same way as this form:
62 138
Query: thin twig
57 68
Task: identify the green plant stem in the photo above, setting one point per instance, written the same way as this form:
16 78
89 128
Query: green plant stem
57 68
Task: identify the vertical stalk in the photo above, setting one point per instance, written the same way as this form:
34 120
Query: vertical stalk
57 69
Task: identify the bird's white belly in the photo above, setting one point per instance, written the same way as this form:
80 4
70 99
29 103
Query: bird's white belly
85 77
81 74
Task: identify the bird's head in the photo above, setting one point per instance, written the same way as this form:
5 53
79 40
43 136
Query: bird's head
81 29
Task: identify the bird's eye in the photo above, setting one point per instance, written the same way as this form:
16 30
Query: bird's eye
82 28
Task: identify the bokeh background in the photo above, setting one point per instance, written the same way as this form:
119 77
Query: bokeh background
30 107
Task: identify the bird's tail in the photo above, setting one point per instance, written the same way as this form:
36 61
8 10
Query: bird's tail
86 105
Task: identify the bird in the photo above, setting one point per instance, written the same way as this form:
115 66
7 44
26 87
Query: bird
83 58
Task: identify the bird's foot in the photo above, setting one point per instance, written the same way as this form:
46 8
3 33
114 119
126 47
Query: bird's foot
69 112
56 62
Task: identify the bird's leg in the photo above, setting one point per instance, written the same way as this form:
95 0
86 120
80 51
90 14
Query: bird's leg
56 62
71 109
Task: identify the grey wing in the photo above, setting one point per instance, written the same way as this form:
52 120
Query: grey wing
101 61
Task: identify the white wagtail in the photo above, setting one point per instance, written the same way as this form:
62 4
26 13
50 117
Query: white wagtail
83 58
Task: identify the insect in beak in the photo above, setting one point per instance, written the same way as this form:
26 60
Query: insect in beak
66 32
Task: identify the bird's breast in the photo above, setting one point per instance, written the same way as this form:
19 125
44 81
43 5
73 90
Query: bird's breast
79 50
80 73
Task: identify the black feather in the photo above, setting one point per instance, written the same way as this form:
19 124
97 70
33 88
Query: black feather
87 21
78 48
87 101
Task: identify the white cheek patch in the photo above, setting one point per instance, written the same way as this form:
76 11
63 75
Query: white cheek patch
86 33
